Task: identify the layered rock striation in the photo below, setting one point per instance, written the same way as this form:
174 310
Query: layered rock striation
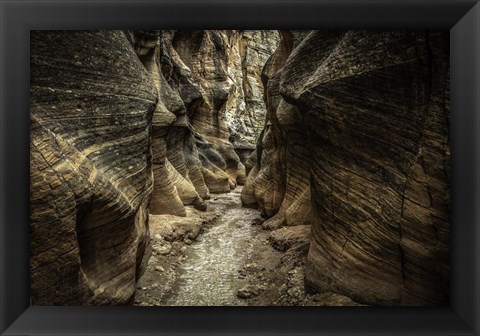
278 184
124 124
202 78
356 143
91 109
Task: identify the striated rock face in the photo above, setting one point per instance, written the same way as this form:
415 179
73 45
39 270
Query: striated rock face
201 77
91 110
357 132
279 182
249 50
124 124
165 197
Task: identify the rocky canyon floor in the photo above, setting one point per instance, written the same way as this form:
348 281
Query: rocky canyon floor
223 257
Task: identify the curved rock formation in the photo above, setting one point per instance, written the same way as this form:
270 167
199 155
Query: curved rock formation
225 66
359 122
249 50
165 196
201 77
279 184
117 132
91 110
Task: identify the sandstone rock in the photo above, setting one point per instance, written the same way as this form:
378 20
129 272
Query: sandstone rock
91 109
360 120
165 198
249 291
247 155
284 238
248 53
174 228
164 248
361 198
279 183
198 74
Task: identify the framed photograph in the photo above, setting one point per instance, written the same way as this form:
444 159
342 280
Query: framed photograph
240 167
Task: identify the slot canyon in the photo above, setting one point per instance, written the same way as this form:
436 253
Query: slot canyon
239 167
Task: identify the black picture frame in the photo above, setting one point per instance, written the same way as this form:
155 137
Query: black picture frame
18 17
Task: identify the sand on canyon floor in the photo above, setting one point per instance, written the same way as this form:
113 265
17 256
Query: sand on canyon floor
223 257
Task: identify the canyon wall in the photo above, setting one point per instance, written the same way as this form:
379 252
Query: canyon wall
124 124
91 110
210 81
356 143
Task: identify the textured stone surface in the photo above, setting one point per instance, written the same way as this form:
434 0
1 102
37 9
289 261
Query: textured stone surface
225 66
91 109
248 52
165 198
360 120
279 183
123 124
201 77
284 238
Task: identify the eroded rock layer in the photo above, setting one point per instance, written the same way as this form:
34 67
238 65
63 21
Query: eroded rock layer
208 81
357 138
279 182
124 124
91 110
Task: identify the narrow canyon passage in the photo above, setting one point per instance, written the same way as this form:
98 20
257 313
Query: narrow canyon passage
210 273
140 139
206 272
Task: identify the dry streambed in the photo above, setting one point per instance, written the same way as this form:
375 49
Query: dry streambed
223 257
